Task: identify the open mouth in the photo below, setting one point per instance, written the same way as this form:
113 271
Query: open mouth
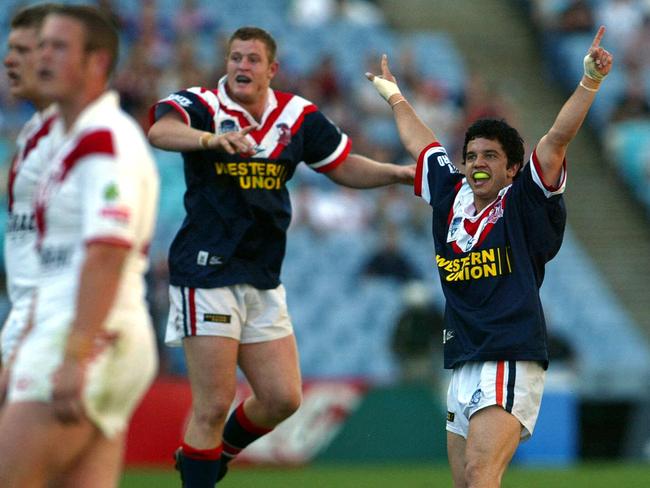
44 74
481 176
242 79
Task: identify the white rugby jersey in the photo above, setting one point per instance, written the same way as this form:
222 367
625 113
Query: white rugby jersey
21 259
101 186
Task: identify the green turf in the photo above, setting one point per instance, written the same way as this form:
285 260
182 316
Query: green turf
407 476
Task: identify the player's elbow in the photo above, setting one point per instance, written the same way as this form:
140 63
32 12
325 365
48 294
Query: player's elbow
559 139
155 135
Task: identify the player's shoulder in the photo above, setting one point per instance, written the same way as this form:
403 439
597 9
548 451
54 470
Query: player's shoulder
284 98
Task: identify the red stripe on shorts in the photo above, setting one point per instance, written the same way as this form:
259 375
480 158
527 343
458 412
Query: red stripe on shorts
192 304
499 382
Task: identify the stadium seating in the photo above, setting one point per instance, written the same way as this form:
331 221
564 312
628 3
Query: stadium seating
344 322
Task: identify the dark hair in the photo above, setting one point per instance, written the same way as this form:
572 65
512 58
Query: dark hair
101 32
32 17
249 33
501 131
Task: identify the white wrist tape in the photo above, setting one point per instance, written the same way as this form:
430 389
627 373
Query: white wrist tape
590 69
385 88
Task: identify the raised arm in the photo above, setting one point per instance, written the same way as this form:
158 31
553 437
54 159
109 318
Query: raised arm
552 146
171 133
414 134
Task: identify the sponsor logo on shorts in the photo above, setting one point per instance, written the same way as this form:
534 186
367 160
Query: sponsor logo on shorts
218 318
447 335
450 416
202 258
476 397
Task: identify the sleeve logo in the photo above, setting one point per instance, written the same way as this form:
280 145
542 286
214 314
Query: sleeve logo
180 99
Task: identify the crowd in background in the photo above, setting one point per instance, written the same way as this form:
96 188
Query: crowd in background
624 116
161 54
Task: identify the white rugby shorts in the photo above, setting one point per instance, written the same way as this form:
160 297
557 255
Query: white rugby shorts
116 379
15 327
517 386
241 312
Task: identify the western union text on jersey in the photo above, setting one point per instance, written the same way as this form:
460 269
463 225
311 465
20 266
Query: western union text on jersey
254 175
475 265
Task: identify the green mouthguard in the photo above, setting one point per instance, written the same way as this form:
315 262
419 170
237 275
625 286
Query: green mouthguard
481 175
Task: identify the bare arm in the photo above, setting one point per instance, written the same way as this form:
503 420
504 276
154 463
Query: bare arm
361 172
552 147
414 134
171 133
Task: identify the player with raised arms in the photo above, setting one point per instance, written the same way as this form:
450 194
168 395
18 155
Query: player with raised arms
496 222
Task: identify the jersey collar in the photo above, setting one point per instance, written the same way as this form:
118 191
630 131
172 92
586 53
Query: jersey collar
229 103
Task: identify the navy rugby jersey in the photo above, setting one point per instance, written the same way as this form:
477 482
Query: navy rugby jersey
491 265
237 206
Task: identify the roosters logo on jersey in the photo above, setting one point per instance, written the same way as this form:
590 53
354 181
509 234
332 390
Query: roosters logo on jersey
284 134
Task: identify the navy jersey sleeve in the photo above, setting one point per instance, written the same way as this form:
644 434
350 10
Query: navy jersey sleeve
435 174
325 145
194 109
543 212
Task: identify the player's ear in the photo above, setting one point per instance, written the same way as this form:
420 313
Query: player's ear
513 170
100 62
273 69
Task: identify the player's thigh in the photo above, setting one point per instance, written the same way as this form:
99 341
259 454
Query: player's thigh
272 368
493 437
211 368
456 454
36 446
99 466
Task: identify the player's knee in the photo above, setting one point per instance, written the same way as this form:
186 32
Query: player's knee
211 416
476 474
283 407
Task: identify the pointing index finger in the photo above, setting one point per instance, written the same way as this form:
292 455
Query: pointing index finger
599 36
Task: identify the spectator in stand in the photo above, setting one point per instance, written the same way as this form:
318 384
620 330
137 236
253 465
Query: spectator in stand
417 338
388 260
576 17
637 51
623 19
633 103
137 83
192 20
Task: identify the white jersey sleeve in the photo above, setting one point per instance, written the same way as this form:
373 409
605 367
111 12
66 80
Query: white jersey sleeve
109 200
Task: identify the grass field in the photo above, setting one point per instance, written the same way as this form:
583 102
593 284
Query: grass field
407 476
